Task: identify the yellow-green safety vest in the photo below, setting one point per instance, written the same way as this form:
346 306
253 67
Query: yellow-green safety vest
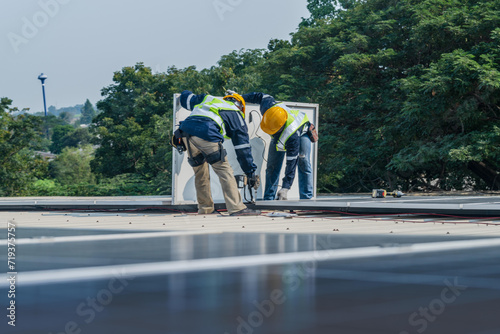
210 107
296 119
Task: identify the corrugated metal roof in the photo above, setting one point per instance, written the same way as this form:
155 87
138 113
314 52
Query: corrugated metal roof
304 223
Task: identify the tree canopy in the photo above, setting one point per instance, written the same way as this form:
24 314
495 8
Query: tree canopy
409 94
88 113
134 127
409 91
19 165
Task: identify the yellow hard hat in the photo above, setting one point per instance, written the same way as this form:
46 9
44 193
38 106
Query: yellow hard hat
273 120
238 100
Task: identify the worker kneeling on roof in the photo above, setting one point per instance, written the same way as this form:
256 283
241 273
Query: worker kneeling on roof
211 120
291 134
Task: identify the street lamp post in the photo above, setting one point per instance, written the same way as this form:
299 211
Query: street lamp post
42 77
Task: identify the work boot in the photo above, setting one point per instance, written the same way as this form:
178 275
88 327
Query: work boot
215 212
246 212
206 211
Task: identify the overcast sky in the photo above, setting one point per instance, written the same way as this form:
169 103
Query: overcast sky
78 44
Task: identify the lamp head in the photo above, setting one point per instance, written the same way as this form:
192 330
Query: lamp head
42 77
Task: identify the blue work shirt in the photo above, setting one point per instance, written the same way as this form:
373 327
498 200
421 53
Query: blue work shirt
235 126
292 145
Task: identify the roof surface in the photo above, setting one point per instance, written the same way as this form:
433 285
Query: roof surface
135 271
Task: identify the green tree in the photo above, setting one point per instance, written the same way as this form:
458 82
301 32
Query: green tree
67 117
49 123
242 70
408 92
73 166
88 113
323 9
19 165
58 134
135 124
67 136
405 87
74 110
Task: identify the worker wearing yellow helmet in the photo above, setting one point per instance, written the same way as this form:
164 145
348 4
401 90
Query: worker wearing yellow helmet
289 130
237 100
212 120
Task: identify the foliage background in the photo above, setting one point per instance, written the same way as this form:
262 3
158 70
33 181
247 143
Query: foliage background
408 90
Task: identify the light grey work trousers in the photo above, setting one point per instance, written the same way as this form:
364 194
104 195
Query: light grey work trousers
223 169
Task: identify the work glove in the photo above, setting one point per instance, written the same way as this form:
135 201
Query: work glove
253 181
230 92
283 194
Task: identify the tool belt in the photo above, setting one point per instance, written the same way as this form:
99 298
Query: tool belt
200 159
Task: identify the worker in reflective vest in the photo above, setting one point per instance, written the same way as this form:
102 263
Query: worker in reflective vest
211 120
288 129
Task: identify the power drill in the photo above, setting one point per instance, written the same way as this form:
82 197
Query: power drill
382 193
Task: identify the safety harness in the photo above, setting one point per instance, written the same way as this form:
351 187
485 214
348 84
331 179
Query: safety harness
212 158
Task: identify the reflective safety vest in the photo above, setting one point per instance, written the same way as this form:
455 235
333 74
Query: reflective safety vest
211 106
296 119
